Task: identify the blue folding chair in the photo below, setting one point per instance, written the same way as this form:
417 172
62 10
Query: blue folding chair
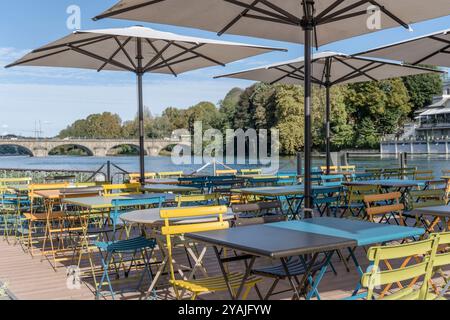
332 180
327 200
110 249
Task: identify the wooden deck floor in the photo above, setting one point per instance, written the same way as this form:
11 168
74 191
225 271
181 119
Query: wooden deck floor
31 279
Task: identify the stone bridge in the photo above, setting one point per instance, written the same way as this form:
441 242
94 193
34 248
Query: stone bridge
97 148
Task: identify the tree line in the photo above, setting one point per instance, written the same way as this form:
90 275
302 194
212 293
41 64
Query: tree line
361 114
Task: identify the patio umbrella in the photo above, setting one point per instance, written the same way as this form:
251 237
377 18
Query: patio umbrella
329 69
286 20
432 49
138 50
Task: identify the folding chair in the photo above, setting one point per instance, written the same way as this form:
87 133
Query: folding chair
423 199
115 190
376 172
327 200
348 168
257 209
332 180
207 283
424 175
387 206
174 174
226 172
354 199
421 253
198 200
332 169
112 251
135 177
441 260
251 171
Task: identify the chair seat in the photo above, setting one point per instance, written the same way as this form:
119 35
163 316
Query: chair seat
43 216
129 245
217 283
295 267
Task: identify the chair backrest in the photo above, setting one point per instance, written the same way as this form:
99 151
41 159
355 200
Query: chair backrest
348 168
172 174
257 209
356 193
120 205
382 204
71 193
240 222
332 180
121 189
332 168
251 171
9 181
226 172
442 257
424 175
170 230
135 177
328 195
197 200
32 188
428 198
376 172
377 277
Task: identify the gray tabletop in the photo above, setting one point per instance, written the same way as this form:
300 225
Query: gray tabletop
102 202
441 211
272 242
152 217
277 191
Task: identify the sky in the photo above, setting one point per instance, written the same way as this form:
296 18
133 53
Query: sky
48 100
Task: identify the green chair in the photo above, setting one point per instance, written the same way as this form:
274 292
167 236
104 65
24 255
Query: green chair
441 260
379 282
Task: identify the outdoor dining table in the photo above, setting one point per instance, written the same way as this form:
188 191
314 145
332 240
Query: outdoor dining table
283 240
289 194
165 188
437 213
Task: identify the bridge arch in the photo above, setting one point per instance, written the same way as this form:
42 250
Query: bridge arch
70 149
127 149
10 149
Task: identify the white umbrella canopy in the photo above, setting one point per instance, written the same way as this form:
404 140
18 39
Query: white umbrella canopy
340 67
116 50
329 69
301 21
431 49
138 50
278 19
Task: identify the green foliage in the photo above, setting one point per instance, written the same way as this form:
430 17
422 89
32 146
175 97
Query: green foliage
96 126
422 88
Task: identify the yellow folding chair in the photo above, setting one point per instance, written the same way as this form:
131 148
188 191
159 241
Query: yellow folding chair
424 175
441 260
206 284
135 177
173 174
121 189
226 172
421 253
198 200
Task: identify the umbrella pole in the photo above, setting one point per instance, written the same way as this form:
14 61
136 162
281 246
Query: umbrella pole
308 29
328 127
140 74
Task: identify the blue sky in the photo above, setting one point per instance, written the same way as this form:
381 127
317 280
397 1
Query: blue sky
57 97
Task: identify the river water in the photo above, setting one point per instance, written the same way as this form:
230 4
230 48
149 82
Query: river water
158 164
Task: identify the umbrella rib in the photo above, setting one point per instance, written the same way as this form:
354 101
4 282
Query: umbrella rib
199 54
112 56
329 9
279 18
237 18
325 18
440 40
126 9
257 17
97 57
36 58
158 55
125 52
160 66
431 55
99 38
162 58
287 14
358 71
343 17
390 14
178 55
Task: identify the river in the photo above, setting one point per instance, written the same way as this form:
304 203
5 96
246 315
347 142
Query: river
157 164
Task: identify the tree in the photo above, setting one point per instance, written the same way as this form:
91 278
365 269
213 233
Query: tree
229 105
96 126
421 89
